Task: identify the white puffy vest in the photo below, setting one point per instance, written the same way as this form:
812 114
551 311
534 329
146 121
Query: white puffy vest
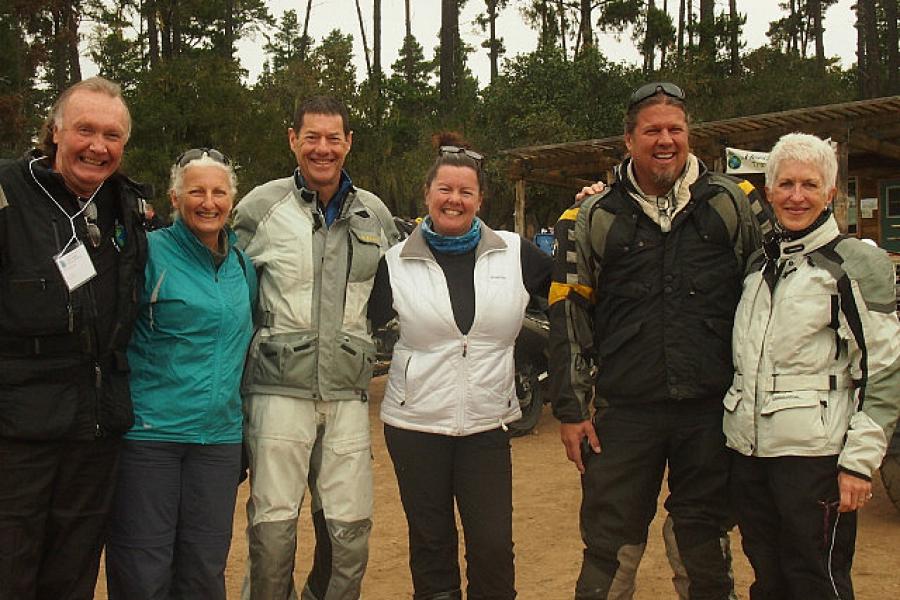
440 380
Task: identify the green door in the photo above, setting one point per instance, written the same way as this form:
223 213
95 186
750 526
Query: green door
890 215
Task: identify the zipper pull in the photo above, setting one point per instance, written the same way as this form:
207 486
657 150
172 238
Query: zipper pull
503 426
71 317
98 375
465 347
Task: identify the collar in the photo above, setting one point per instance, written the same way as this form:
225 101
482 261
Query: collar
187 239
662 209
333 209
415 246
814 239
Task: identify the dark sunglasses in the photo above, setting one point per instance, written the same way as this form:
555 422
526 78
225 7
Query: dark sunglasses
197 153
444 150
651 89
90 221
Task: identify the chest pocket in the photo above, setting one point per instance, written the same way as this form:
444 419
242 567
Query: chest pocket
364 248
167 313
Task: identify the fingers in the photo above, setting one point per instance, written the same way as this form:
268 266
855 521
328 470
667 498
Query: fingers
855 492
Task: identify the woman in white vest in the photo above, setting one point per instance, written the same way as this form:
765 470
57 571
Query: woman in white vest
459 291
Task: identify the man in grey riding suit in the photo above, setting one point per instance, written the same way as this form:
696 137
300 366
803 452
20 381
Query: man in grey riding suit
315 240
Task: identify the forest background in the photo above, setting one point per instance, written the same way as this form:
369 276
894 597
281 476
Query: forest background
178 63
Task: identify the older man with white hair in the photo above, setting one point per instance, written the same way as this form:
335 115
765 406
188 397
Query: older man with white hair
72 253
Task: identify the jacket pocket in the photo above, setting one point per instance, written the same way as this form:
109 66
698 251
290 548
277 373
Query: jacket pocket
288 359
737 421
40 401
352 368
793 423
365 252
23 299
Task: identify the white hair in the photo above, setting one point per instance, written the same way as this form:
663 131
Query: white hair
807 149
176 177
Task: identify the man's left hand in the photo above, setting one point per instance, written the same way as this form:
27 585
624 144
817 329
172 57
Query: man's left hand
855 492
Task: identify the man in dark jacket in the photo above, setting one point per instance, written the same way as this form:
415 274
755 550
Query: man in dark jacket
72 253
646 297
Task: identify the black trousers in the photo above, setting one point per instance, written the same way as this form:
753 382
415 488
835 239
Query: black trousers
54 501
475 470
621 485
799 545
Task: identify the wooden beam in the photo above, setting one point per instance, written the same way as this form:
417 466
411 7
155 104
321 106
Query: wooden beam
866 142
519 211
841 205
569 183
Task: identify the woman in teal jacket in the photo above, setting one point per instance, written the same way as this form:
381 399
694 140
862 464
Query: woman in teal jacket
170 529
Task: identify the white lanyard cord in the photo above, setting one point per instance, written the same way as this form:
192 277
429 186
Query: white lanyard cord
61 209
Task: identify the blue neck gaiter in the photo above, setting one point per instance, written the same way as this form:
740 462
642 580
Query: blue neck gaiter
452 244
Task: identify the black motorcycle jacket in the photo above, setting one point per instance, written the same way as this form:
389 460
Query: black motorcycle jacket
63 369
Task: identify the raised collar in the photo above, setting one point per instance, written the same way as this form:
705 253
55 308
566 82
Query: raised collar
813 240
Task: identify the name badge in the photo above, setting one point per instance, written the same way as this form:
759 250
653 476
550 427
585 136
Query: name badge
75 266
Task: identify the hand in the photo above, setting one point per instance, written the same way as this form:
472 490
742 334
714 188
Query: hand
572 434
855 492
590 190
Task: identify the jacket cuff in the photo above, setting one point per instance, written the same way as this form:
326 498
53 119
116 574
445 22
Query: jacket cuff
854 473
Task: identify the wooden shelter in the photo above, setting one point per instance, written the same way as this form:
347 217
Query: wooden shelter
867 134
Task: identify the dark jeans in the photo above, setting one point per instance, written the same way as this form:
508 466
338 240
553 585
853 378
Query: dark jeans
54 500
622 483
170 528
799 545
475 470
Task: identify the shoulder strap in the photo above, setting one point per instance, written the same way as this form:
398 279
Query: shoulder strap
829 259
242 261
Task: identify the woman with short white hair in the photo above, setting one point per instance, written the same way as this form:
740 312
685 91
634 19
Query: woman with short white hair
170 527
815 393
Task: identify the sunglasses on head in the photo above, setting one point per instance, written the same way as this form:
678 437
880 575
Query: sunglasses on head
197 153
446 150
657 87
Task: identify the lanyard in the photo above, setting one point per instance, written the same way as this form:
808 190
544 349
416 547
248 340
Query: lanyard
71 218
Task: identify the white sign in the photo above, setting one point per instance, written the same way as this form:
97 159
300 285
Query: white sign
745 161
867 207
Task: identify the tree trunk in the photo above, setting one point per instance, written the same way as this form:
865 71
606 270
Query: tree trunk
495 50
862 72
304 47
362 33
227 49
70 23
376 44
150 14
873 54
815 9
681 24
449 37
663 47
890 38
563 26
587 29
707 29
648 47
734 43
690 28
408 21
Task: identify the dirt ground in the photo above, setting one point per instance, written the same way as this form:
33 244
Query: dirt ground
546 496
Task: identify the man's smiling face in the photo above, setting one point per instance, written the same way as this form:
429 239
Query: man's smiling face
321 146
659 147
90 140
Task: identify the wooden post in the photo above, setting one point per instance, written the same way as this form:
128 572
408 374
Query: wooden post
519 212
840 200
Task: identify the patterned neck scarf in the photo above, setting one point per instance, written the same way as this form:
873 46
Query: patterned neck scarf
452 244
